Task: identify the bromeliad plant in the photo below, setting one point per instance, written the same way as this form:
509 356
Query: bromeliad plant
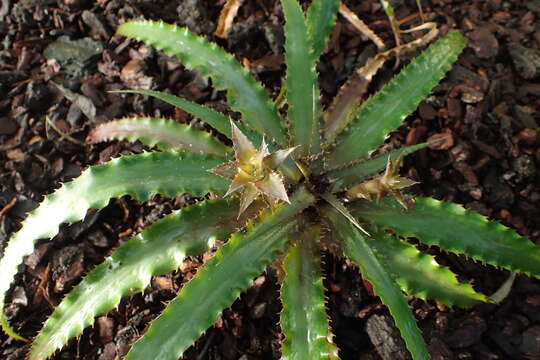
311 173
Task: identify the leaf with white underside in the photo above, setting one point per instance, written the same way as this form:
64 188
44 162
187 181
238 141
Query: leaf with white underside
166 134
385 111
244 94
358 250
303 96
159 249
303 320
453 228
140 176
219 282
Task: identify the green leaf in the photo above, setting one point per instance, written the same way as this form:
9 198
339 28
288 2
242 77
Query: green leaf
419 274
166 134
341 179
303 94
303 320
321 18
140 176
218 283
244 93
358 250
213 118
455 229
159 249
385 111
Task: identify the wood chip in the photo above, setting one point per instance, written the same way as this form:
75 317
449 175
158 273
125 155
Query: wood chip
226 18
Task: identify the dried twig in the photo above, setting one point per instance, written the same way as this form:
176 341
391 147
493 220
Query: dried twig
226 18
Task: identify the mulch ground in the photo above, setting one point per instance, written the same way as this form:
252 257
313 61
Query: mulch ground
50 98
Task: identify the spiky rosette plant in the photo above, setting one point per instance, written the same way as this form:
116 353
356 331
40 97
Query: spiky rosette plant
311 173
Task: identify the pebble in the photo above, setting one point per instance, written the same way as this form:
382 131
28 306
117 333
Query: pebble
530 344
95 24
484 43
8 126
385 338
526 60
106 328
67 266
37 96
469 332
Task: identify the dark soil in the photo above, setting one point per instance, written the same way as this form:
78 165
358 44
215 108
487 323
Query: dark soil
488 105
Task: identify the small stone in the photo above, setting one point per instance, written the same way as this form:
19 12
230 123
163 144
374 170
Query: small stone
385 338
484 43
76 4
37 96
528 136
106 328
16 155
258 310
439 351
193 15
524 166
19 296
67 266
163 283
39 253
133 75
526 60
8 126
97 27
426 111
98 239
530 344
349 305
109 352
469 332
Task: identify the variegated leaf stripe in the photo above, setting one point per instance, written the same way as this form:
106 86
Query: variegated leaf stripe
455 229
159 249
304 321
166 134
358 250
140 176
385 111
244 94
218 283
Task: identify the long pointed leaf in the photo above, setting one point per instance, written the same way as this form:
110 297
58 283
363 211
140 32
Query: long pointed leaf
455 229
303 320
343 178
385 111
218 283
303 94
321 18
166 134
140 176
358 250
159 249
244 93
419 274
213 118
